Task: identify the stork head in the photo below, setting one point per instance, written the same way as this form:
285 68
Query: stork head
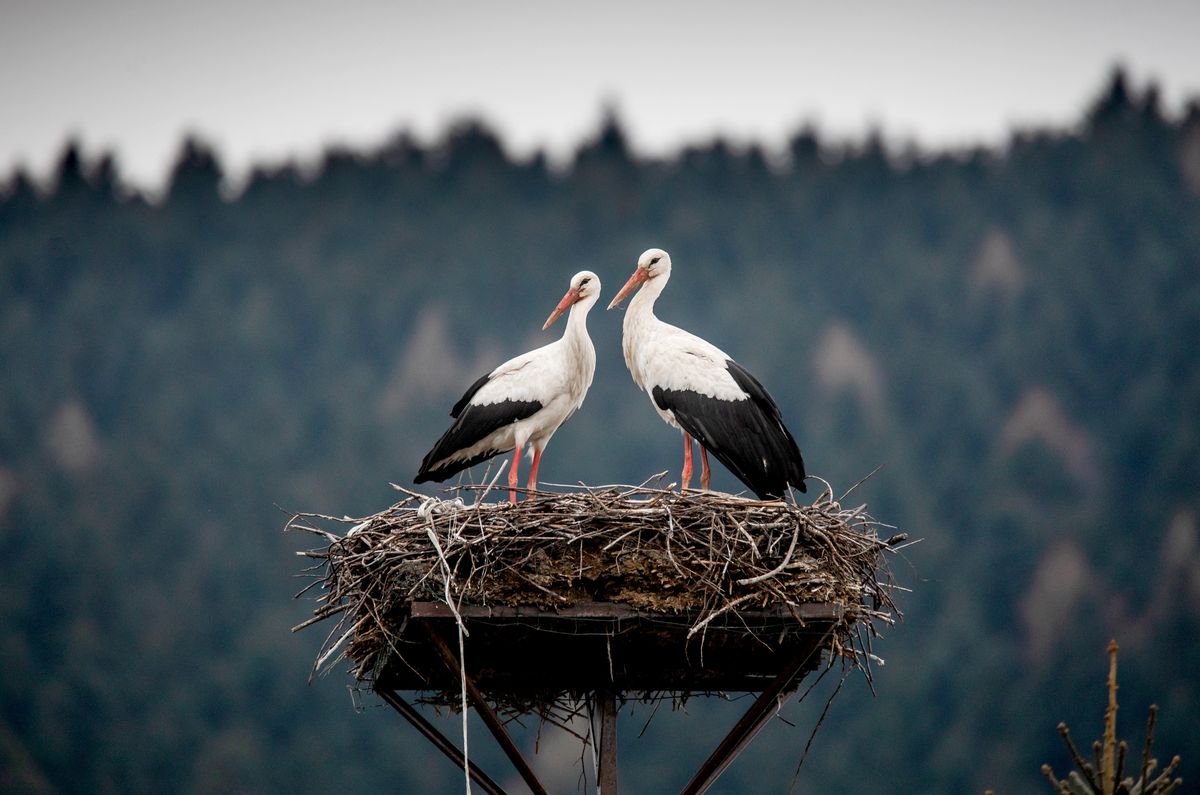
653 264
585 285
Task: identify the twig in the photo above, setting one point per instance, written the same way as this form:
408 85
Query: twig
787 558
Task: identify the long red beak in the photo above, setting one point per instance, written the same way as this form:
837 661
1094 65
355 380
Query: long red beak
639 275
571 297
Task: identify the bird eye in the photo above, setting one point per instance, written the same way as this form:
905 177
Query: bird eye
585 280
655 260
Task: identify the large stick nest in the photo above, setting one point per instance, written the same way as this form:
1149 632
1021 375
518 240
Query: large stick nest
701 555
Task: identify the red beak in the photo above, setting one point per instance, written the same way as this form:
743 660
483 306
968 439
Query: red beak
571 297
639 275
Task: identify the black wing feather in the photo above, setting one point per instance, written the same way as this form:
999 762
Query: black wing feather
473 424
747 436
470 393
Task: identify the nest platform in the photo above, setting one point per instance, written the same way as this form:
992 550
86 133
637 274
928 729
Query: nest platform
518 653
626 592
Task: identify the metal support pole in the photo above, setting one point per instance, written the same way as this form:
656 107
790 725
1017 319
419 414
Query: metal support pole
762 710
606 777
439 741
488 715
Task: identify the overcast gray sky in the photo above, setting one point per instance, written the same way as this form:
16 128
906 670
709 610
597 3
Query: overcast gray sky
266 81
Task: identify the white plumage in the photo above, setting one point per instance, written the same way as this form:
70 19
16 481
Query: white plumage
524 400
698 388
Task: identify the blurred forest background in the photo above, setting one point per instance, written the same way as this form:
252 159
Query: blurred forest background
1014 333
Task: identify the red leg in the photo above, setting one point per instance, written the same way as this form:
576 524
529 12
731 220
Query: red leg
705 473
537 459
687 462
512 475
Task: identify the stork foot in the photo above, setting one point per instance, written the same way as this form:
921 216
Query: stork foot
512 476
685 477
533 472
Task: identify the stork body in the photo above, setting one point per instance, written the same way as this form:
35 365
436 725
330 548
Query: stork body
696 387
523 401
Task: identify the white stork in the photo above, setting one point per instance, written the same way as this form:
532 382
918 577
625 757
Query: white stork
696 387
524 400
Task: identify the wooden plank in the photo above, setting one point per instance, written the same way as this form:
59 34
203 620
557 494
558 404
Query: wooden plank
439 741
614 611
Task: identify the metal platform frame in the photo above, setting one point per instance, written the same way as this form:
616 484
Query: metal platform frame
428 621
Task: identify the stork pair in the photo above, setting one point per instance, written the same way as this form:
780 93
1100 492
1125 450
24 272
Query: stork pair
693 385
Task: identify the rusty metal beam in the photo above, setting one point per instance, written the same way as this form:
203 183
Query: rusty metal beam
490 719
760 712
439 741
606 776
